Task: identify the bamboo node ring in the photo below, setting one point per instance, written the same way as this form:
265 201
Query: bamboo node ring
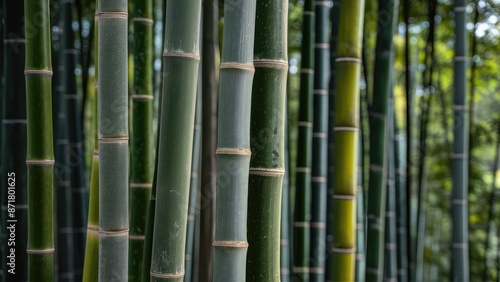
230 244
41 72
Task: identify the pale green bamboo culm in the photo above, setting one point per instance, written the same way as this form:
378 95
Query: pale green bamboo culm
346 135
40 155
141 169
180 76
267 140
233 146
460 226
113 140
91 262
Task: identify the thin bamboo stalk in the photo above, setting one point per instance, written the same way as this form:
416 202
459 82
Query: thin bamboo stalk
460 249
40 154
360 221
346 135
113 140
91 262
193 191
491 209
267 140
401 223
141 169
65 232
13 142
390 258
285 208
181 61
319 142
210 61
302 207
233 146
378 115
335 12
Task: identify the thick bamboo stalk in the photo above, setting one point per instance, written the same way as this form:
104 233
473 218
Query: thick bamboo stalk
360 220
40 154
390 246
267 140
285 208
180 73
91 262
319 142
193 189
13 142
210 61
141 169
331 117
460 249
346 128
302 207
378 115
233 146
113 140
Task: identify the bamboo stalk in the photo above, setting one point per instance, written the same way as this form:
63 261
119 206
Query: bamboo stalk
113 140
285 207
233 146
331 117
360 220
302 207
267 140
65 232
210 61
181 61
491 208
141 170
319 142
40 154
346 134
460 249
91 262
13 140
193 190
401 223
378 167
390 246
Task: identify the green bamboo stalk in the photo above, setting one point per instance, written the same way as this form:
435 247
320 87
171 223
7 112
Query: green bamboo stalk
460 249
302 207
378 167
346 139
401 219
193 190
141 169
319 142
331 117
285 208
491 209
267 140
40 154
65 239
360 220
91 262
233 146
181 61
210 61
113 140
390 262
75 160
13 141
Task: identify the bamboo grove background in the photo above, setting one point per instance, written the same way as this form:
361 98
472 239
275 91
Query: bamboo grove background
259 140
